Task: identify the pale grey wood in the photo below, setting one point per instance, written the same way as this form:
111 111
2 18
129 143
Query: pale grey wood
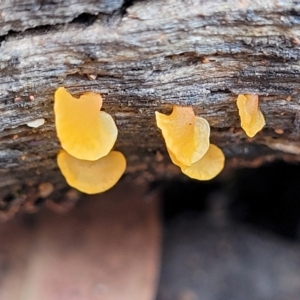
19 15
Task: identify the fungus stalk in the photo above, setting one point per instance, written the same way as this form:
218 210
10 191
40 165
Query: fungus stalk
252 119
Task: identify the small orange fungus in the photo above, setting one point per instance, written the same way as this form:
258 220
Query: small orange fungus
92 177
252 119
186 135
84 131
196 157
207 167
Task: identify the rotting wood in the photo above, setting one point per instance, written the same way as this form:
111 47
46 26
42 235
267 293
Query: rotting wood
149 57
19 15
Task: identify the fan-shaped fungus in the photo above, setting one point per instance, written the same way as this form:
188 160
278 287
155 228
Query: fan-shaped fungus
92 177
252 119
84 131
186 135
207 167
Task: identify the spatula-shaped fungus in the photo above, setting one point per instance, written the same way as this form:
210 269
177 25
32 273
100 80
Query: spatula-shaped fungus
252 119
84 131
187 140
186 135
207 167
92 177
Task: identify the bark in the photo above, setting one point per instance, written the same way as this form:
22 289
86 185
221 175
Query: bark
147 56
19 15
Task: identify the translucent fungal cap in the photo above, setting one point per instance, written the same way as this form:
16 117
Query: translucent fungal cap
207 167
252 119
92 177
83 130
186 135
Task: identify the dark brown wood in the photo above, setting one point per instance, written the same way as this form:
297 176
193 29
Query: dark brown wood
147 58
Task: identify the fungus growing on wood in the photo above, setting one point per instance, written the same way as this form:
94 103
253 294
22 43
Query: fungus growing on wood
207 167
252 119
186 135
84 131
92 177
192 135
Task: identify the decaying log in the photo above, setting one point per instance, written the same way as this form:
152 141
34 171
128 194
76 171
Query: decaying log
19 15
146 56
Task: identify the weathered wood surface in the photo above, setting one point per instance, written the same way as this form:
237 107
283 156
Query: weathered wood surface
19 15
148 55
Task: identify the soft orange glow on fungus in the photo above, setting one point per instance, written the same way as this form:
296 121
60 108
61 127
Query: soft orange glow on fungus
186 135
252 119
83 130
207 167
92 177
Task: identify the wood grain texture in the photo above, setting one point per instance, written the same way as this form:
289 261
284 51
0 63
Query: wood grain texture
19 15
154 55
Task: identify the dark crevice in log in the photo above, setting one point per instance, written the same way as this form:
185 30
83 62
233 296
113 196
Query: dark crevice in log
295 13
38 30
2 39
84 19
127 4
19 15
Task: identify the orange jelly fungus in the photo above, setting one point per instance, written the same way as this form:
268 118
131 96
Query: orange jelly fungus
92 177
207 167
252 119
186 135
84 131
